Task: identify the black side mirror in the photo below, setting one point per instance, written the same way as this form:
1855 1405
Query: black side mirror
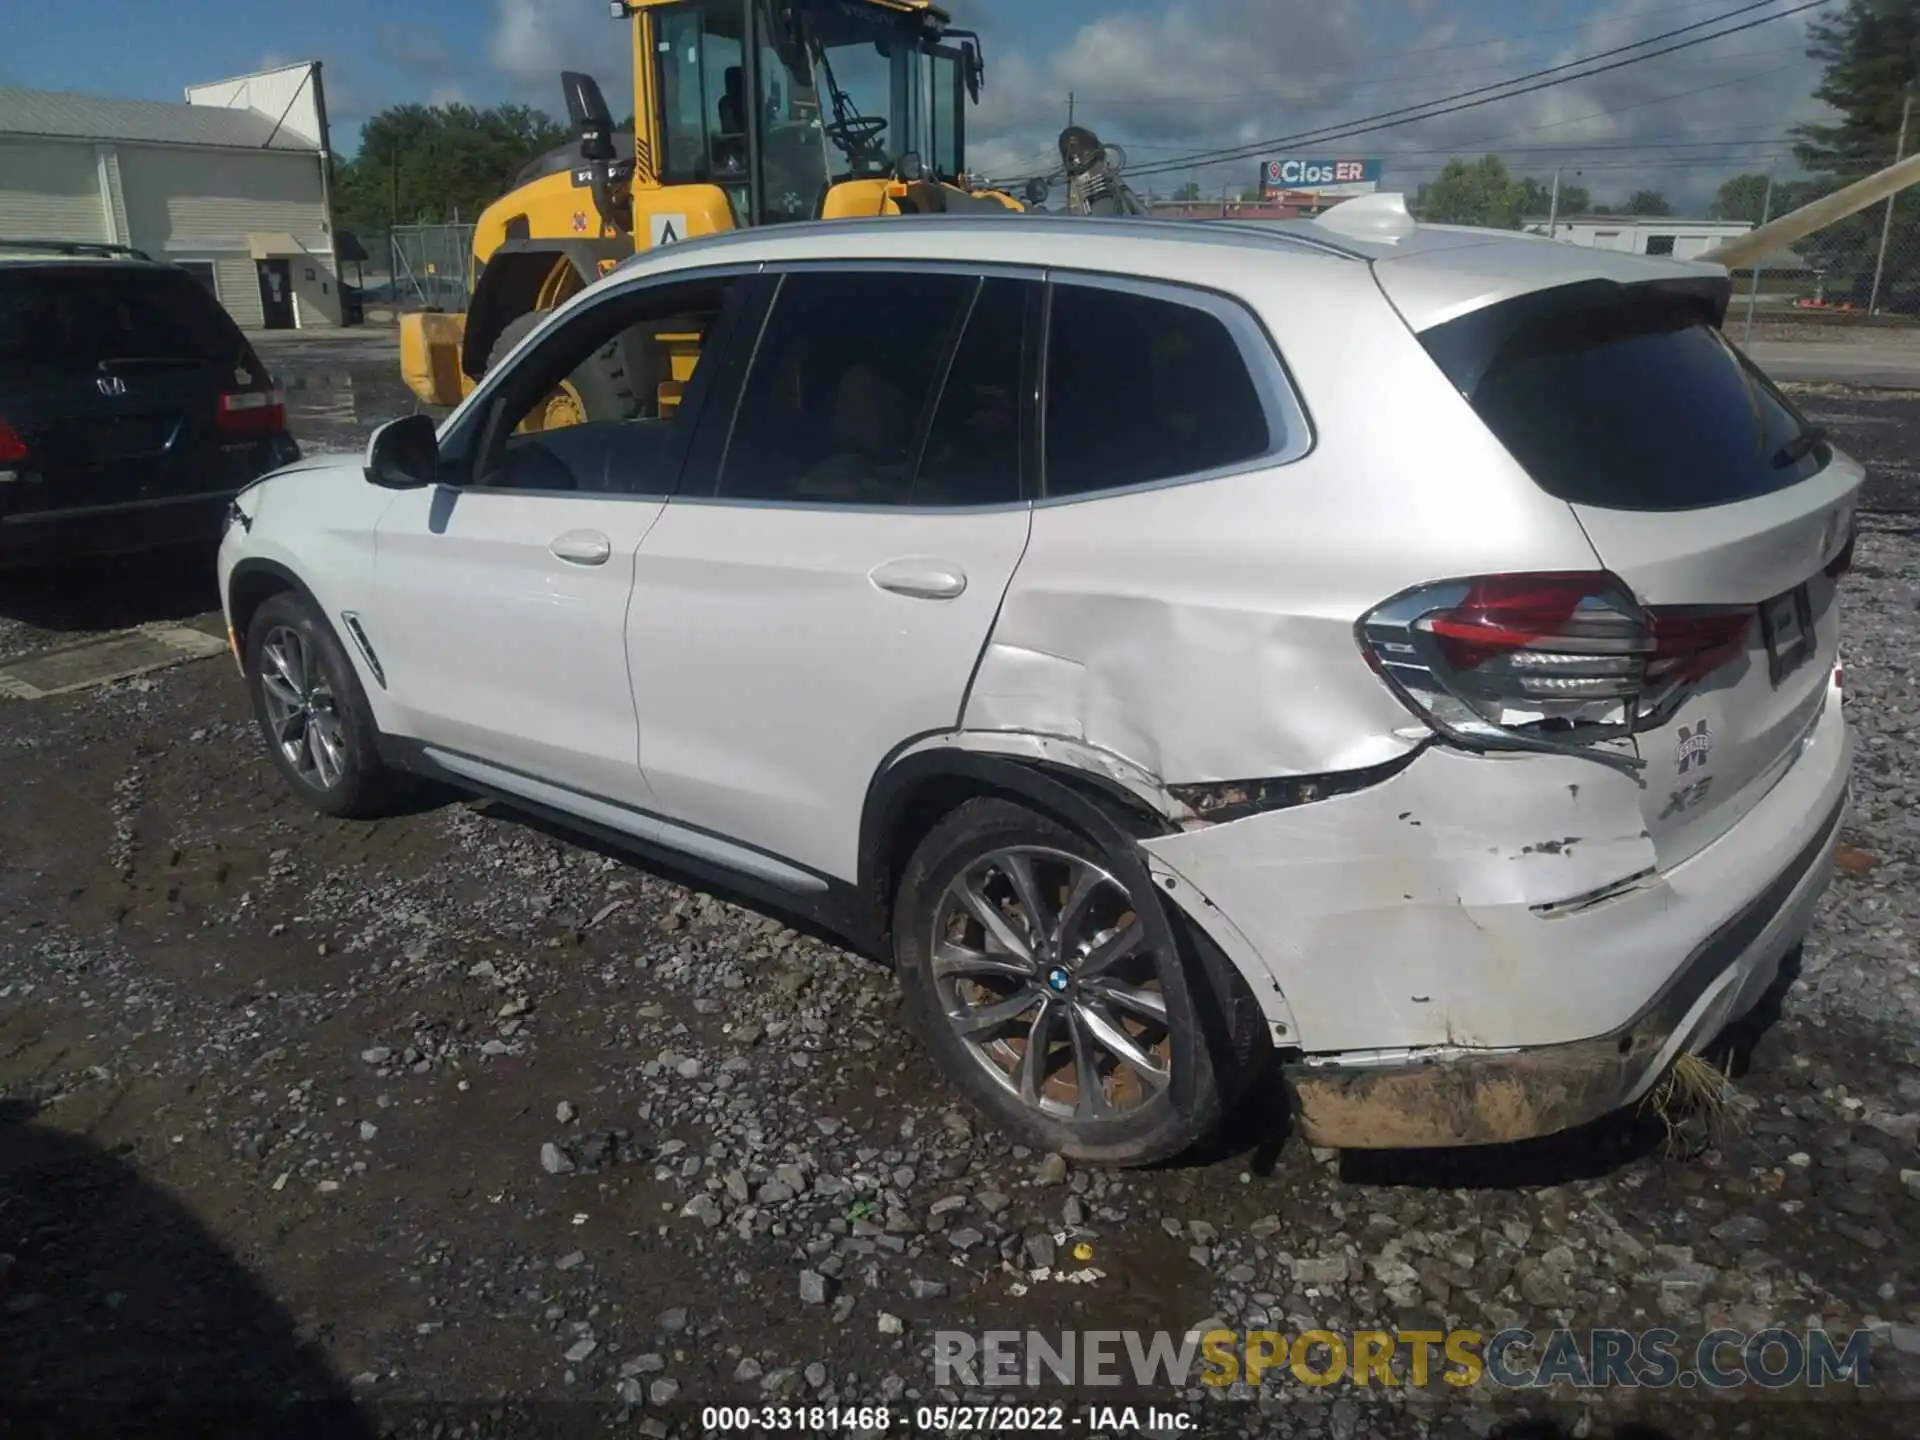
910 168
587 109
404 454
1037 192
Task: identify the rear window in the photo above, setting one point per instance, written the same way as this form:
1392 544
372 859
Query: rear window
1634 405
74 317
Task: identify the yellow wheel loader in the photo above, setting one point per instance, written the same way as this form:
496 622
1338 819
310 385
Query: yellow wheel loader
746 112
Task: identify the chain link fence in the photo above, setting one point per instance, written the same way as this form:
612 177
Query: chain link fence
1863 268
430 267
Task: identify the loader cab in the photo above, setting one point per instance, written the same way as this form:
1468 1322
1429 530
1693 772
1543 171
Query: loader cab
778 101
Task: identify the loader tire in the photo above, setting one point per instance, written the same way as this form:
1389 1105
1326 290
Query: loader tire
610 386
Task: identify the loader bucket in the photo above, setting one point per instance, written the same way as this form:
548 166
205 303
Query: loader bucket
430 357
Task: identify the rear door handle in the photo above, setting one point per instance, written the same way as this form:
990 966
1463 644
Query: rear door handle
921 579
582 547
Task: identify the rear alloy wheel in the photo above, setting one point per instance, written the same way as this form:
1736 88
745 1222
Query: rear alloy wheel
1050 992
312 713
1042 970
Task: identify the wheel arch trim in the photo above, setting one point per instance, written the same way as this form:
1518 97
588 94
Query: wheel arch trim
1034 768
1114 802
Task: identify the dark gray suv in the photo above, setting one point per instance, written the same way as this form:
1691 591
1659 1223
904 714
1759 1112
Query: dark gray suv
132 409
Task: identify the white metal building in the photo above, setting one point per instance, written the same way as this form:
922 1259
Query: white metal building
232 185
1642 234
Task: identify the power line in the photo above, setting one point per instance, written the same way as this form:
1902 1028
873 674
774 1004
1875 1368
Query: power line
1481 95
1027 116
1686 94
1423 50
1472 99
1378 82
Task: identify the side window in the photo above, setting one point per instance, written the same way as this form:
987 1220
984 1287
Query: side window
597 408
848 369
972 455
1141 389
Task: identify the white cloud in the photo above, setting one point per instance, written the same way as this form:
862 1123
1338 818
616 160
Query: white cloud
1211 74
534 40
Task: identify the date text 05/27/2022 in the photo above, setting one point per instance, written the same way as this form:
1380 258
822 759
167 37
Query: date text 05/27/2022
942 1419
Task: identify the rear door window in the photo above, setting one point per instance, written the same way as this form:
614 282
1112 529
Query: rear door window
1142 388
844 382
75 317
1634 405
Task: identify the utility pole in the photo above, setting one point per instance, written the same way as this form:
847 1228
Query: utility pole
1753 289
1553 204
1070 109
1886 225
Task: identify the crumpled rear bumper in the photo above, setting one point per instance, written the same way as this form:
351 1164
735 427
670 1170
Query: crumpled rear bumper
1437 1098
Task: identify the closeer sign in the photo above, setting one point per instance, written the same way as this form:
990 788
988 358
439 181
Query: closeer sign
1310 174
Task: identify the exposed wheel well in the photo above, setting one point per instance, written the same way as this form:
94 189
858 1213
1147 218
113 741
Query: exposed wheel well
904 814
252 587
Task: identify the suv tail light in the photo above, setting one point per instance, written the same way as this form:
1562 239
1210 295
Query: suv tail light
1558 661
1842 563
252 412
13 450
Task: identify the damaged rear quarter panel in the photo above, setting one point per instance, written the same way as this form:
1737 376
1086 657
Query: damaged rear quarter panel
1204 630
1403 915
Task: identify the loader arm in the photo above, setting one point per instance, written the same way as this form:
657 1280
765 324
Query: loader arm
1744 250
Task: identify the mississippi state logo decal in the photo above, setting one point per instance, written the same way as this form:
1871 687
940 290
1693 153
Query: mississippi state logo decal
1694 748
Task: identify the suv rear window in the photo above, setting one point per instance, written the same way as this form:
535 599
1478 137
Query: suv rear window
1634 404
75 316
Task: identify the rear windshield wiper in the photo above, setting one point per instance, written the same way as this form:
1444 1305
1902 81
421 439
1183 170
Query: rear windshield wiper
1799 447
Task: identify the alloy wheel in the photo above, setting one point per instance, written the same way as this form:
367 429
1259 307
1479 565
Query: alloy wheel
1042 967
303 713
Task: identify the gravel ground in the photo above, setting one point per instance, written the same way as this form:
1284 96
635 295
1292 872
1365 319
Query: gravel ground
447 1110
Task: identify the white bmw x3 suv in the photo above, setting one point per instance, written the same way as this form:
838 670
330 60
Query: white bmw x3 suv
1408 654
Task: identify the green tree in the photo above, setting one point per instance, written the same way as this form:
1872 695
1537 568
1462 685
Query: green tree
1744 197
1648 202
1188 193
1483 192
1871 51
420 164
1574 199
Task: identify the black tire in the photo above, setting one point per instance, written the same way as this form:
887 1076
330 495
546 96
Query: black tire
361 787
612 385
1210 1048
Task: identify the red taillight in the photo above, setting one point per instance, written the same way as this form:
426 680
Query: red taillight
1549 659
1509 613
1843 562
252 412
1690 643
12 448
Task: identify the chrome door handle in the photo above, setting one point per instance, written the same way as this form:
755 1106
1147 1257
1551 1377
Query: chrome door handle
920 579
582 547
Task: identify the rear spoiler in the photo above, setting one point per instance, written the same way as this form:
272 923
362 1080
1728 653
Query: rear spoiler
1464 348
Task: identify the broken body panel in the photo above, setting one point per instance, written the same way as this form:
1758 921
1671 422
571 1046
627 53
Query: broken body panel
1495 940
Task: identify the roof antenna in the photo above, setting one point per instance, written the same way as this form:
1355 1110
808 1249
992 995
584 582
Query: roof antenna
1383 217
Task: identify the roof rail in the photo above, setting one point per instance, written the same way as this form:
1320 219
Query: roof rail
74 247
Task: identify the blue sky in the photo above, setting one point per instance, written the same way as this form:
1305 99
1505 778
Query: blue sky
1164 79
